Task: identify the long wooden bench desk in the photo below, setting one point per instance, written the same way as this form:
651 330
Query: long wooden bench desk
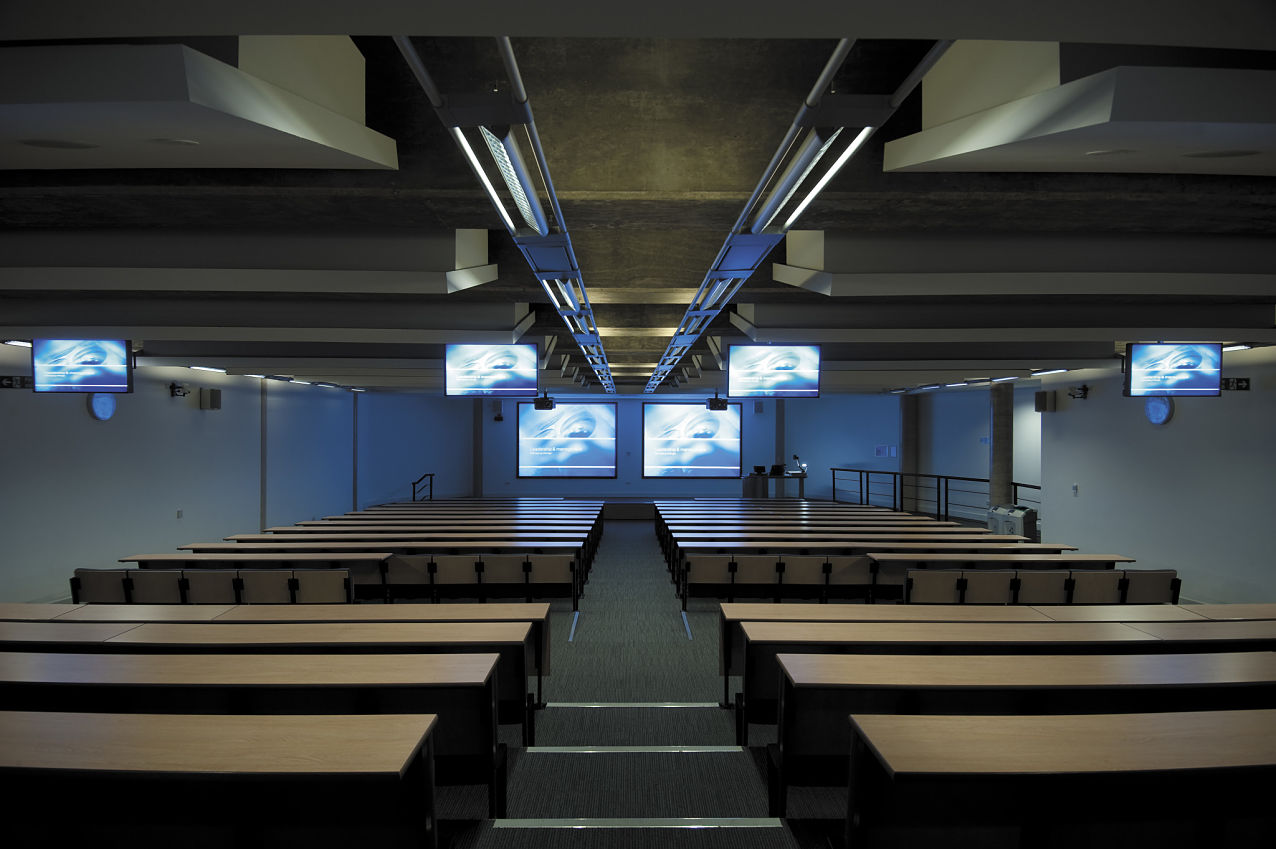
536 613
459 688
730 615
162 781
400 532
1235 611
394 546
817 691
941 560
1210 768
511 640
34 611
764 640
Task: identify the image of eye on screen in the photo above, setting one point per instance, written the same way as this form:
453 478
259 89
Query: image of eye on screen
1183 369
505 370
785 371
569 441
686 440
81 365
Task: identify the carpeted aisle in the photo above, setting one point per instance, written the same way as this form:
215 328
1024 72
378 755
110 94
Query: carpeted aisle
610 749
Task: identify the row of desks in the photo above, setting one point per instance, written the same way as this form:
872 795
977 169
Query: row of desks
811 677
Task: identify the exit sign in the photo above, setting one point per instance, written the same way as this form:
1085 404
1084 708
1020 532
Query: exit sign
1240 384
15 381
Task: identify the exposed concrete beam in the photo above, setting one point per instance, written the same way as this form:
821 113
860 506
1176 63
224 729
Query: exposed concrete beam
812 335
930 284
1248 24
416 336
313 281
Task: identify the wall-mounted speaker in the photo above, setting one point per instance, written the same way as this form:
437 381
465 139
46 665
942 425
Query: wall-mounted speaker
210 399
1043 401
758 406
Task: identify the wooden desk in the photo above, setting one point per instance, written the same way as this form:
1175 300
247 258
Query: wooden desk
536 613
1120 613
35 636
251 777
459 688
240 558
943 561
511 640
1240 635
33 611
819 690
393 546
150 612
730 615
1234 611
339 532
764 640
951 770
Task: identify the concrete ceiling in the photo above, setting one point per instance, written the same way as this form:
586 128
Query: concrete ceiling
264 258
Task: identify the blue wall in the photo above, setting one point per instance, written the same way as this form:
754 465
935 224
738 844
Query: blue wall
840 431
402 436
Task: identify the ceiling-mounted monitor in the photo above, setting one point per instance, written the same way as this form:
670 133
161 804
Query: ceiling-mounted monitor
1182 369
778 371
507 371
81 365
569 441
689 441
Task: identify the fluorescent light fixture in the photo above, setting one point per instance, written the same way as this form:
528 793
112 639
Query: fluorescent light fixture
828 175
258 376
813 147
1003 379
1228 348
302 382
951 385
930 386
356 389
898 391
207 368
1049 371
482 175
509 161
18 343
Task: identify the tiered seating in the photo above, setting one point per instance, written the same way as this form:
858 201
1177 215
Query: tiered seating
1078 586
211 586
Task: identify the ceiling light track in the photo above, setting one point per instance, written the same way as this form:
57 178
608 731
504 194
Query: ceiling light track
548 253
822 117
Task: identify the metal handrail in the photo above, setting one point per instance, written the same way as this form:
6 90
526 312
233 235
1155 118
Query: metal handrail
417 482
919 489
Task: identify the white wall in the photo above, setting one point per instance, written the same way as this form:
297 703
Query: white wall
403 435
1193 495
82 493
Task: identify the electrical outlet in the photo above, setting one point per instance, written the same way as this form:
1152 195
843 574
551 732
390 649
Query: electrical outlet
179 514
1075 490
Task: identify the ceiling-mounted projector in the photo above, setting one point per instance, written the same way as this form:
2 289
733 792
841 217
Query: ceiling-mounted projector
544 403
716 403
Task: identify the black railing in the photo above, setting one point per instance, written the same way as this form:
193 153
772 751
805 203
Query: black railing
429 488
946 497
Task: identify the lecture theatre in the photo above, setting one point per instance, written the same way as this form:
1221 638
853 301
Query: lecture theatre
826 425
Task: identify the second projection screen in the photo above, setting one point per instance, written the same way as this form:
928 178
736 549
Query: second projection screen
569 441
689 441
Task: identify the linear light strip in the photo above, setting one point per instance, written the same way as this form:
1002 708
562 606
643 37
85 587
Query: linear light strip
482 175
855 145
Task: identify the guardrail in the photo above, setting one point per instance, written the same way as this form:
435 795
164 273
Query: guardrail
946 497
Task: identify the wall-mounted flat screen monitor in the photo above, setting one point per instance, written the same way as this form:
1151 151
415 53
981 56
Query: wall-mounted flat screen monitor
569 441
779 371
1176 369
500 370
81 365
690 441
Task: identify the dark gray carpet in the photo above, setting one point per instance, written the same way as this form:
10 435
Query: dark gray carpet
562 726
630 645
716 784
486 837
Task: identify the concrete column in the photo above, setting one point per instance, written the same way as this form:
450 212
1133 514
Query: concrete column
909 449
1001 449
